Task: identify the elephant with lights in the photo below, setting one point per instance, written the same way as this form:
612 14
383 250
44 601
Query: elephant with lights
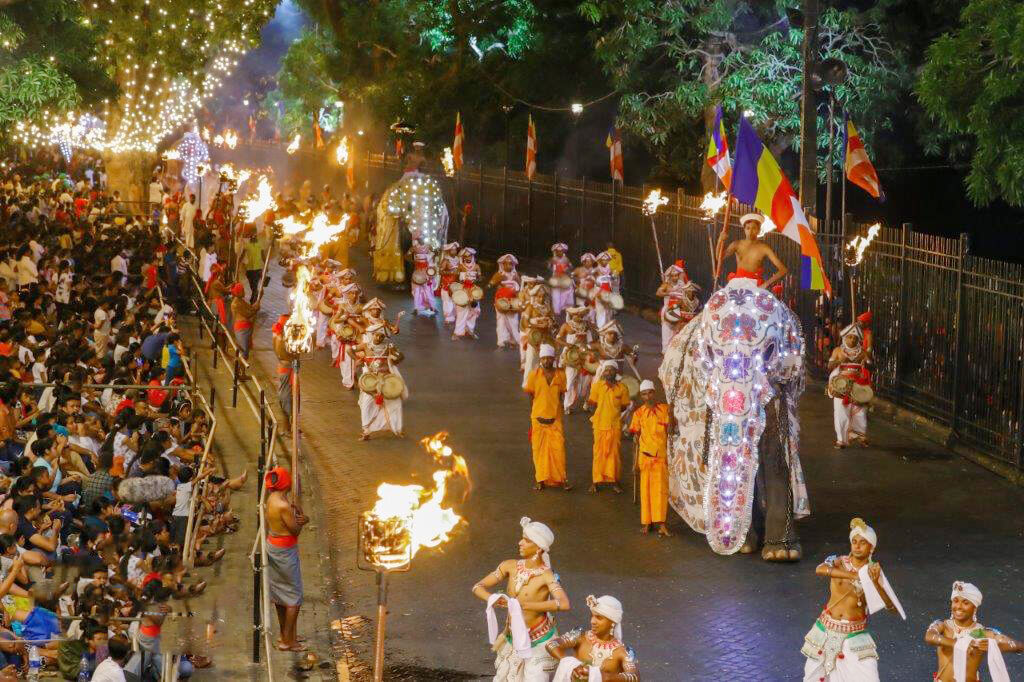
733 377
416 204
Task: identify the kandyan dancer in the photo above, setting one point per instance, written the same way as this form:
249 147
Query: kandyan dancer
467 305
506 301
848 371
424 279
345 328
532 595
680 305
598 653
381 387
449 270
559 267
576 337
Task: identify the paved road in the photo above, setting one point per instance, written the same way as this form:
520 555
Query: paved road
689 613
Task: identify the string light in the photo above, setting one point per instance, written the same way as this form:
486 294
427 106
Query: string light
193 152
417 199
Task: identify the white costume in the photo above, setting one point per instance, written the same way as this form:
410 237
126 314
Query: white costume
507 323
188 231
449 266
535 311
680 301
423 294
850 418
603 311
560 268
342 349
577 379
466 315
377 412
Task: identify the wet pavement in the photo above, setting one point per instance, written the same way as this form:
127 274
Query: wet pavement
689 614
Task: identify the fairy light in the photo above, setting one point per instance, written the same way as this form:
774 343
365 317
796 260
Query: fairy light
193 152
418 200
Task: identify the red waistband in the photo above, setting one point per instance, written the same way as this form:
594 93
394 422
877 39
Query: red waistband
242 325
150 630
747 274
284 541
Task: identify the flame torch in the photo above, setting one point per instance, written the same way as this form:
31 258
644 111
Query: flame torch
711 206
650 207
855 254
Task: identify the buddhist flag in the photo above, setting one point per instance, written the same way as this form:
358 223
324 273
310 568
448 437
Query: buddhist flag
718 150
758 180
531 149
457 145
857 165
614 144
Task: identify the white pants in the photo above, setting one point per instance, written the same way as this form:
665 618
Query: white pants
345 361
850 420
667 332
465 319
577 384
561 299
507 326
321 329
602 314
509 667
849 668
448 306
423 298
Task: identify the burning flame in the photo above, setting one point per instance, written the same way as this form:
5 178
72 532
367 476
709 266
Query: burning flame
262 202
653 202
766 227
448 161
230 138
713 203
206 133
419 510
293 146
218 141
859 244
172 155
341 153
298 330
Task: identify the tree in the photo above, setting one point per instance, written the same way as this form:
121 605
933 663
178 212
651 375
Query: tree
972 88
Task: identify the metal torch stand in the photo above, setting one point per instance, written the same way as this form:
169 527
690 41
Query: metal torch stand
295 426
365 563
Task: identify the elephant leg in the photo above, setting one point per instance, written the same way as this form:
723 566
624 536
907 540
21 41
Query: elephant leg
780 539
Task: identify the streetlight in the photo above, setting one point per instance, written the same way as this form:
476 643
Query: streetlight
577 111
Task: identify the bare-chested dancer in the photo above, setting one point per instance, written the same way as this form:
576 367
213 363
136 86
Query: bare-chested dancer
751 253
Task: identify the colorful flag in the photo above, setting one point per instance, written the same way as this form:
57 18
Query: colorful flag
718 150
318 134
857 165
758 180
531 149
457 145
614 144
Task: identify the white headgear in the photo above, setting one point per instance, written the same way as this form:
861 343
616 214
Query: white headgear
858 527
610 608
646 385
540 535
559 245
451 246
853 329
508 258
756 217
605 365
966 591
547 351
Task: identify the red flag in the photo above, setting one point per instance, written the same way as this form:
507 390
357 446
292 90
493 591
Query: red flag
614 144
531 149
857 165
718 151
318 134
457 145
399 147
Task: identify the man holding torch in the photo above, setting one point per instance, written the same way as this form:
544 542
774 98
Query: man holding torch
284 523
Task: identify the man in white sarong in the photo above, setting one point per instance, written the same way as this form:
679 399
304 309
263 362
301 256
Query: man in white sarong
560 269
850 360
423 279
961 642
537 324
506 298
188 216
838 648
380 358
449 269
601 297
597 653
467 313
576 337
680 302
346 327
531 595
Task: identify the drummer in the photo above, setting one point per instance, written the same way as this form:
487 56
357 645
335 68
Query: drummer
601 298
583 279
345 328
611 347
680 301
423 278
850 360
325 306
575 337
381 387
604 269
373 312
467 312
449 267
537 324
506 278
560 267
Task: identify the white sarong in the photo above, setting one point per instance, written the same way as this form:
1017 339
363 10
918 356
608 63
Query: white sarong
465 319
569 663
507 327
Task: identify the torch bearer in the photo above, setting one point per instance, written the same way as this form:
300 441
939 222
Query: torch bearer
650 207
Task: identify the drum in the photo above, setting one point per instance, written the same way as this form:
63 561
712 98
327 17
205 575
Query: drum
419 276
632 385
460 296
616 302
454 286
672 314
431 271
503 305
591 364
573 357
535 337
392 386
288 279
560 282
862 394
347 332
839 386
476 293
368 382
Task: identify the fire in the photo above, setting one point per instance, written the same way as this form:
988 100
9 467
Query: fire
341 153
206 133
653 202
713 203
262 202
300 325
230 138
767 227
293 146
218 141
859 244
420 511
448 161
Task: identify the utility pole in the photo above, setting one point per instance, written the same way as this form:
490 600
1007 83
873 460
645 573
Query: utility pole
809 112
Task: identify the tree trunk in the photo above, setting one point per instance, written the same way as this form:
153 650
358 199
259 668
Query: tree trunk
129 173
708 179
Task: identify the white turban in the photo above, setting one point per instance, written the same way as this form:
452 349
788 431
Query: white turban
646 385
540 535
547 351
858 527
966 591
610 608
605 365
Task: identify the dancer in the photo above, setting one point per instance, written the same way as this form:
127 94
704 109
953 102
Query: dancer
559 267
961 641
506 311
583 279
604 269
602 299
532 595
751 253
850 361
609 397
650 426
546 384
346 327
838 648
598 653
680 301
380 407
373 312
449 270
575 337
537 324
467 312
423 279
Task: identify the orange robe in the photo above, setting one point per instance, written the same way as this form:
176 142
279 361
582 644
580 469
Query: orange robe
651 426
547 440
607 422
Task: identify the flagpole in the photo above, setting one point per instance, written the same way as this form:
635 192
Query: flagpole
725 230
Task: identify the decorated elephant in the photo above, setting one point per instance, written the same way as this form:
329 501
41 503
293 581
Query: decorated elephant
733 377
416 203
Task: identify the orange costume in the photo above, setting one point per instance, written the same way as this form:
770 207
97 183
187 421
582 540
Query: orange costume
607 421
546 436
650 424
